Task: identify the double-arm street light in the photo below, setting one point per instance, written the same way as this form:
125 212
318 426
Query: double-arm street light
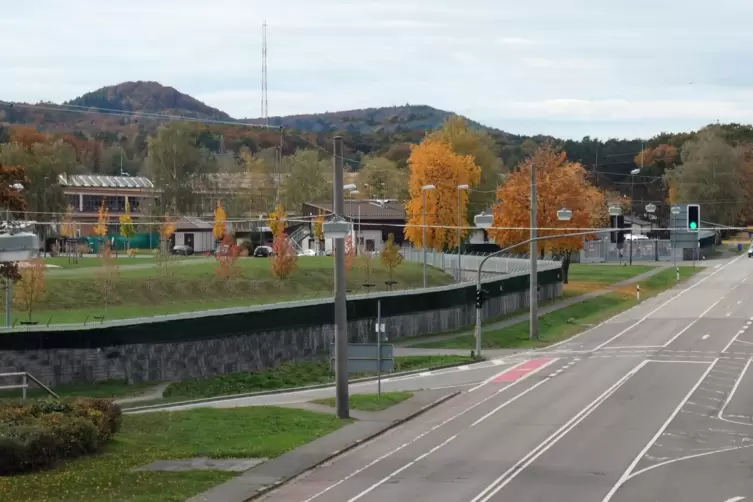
425 189
460 272
485 221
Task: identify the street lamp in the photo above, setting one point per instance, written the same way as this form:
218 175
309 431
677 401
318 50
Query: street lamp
424 189
353 193
615 211
633 174
338 233
676 210
460 188
485 220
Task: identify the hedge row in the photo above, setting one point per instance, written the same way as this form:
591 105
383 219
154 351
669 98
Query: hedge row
36 434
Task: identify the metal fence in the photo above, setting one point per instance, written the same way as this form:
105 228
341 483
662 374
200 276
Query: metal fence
506 264
641 250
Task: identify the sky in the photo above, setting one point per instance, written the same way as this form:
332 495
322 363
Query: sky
567 68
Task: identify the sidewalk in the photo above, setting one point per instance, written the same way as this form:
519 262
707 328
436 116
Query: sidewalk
404 347
264 477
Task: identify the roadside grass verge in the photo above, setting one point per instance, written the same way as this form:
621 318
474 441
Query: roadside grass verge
191 285
105 389
369 402
568 321
217 433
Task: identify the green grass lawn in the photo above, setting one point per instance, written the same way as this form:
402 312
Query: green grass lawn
369 402
568 321
238 432
605 274
105 389
90 262
192 284
286 376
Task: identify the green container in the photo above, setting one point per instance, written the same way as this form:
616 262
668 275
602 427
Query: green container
119 243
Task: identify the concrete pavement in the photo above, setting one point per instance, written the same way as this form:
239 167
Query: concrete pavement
653 404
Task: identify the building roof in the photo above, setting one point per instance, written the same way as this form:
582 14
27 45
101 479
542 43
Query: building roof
192 223
369 209
97 181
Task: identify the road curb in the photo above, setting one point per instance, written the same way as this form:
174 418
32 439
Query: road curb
355 444
167 406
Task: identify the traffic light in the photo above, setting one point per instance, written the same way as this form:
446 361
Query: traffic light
694 217
479 298
617 236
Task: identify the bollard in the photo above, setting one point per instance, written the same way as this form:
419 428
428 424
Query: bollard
678 273
638 292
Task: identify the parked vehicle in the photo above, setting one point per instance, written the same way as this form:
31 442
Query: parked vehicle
263 252
750 251
183 250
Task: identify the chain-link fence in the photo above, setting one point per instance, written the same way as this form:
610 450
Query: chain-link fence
465 267
641 250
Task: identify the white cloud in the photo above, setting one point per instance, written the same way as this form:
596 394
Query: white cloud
561 68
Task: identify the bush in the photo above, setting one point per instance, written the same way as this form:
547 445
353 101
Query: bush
35 434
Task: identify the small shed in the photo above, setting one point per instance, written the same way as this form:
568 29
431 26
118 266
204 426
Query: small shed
193 232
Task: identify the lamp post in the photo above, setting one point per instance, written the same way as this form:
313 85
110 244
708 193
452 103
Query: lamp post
485 221
616 211
674 211
651 209
424 189
633 173
353 193
460 188
341 318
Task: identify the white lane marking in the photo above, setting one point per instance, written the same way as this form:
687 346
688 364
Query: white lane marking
395 473
425 373
462 368
513 471
743 342
717 266
497 362
739 302
735 499
634 347
705 337
626 475
728 314
509 401
423 434
677 361
663 305
720 416
692 323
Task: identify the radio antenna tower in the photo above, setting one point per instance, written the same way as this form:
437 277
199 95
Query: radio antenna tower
264 103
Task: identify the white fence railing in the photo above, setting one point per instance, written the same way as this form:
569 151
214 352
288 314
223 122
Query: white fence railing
507 264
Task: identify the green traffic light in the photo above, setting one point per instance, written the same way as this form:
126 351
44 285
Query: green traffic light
693 225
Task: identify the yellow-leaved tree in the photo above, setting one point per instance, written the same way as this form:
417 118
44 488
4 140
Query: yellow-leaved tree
220 222
433 162
319 231
560 184
127 230
32 287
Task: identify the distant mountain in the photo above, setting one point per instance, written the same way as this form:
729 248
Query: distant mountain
148 97
370 120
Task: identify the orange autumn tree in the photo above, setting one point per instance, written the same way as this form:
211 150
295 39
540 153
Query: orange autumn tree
561 184
433 162
220 222
284 258
319 230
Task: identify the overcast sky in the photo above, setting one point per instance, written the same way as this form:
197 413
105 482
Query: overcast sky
569 68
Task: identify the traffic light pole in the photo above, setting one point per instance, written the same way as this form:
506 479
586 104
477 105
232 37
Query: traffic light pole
479 291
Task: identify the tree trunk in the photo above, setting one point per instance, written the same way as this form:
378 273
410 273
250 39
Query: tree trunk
565 267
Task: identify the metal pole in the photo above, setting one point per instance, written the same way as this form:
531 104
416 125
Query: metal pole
424 237
341 318
459 262
632 215
379 348
672 240
533 287
8 295
497 253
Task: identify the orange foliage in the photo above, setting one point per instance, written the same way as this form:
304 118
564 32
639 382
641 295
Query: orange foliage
561 184
227 256
11 197
277 223
284 258
103 218
32 287
664 156
27 137
433 162
350 252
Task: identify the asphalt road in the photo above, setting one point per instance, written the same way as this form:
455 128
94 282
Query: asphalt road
655 404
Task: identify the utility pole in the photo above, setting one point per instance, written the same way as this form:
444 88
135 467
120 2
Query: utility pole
533 287
341 318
